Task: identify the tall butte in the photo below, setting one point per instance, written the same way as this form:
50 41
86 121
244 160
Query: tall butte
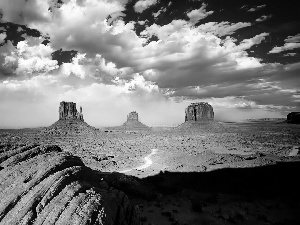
67 111
200 117
70 121
200 112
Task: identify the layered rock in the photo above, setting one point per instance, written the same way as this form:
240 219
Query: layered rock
293 117
201 111
44 185
67 110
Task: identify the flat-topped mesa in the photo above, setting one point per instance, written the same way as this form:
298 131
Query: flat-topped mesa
68 111
133 116
201 111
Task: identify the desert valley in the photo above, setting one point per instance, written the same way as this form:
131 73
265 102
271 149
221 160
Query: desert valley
201 172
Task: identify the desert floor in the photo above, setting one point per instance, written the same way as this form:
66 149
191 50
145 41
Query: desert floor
243 173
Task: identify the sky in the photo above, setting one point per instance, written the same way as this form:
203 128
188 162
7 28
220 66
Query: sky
151 56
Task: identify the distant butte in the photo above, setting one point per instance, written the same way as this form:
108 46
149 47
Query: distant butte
133 122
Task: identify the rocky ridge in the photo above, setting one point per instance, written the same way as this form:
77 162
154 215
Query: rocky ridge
41 184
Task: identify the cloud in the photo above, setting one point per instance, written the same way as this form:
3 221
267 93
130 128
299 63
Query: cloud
28 58
141 5
293 39
2 37
285 47
223 28
257 8
198 14
24 12
263 18
290 54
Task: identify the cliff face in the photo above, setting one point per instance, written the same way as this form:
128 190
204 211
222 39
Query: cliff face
199 112
133 116
67 110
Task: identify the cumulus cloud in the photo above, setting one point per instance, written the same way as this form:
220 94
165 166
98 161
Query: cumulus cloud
293 39
28 57
141 5
199 14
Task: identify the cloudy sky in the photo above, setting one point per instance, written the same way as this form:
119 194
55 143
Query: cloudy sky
150 56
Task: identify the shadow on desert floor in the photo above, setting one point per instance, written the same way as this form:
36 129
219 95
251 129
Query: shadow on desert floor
260 195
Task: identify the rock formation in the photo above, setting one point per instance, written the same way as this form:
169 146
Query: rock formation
293 117
132 123
199 117
70 122
67 110
43 185
133 116
199 112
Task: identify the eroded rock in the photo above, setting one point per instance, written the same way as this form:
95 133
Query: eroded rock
67 110
201 111
44 185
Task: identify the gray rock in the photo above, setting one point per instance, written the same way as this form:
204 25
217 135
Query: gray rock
201 111
67 110
41 184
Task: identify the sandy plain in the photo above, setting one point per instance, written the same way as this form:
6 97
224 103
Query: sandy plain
242 173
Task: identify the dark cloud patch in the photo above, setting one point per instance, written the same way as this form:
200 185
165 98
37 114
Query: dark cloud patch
16 32
63 56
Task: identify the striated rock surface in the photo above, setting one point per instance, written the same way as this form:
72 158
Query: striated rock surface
293 117
43 185
67 111
201 111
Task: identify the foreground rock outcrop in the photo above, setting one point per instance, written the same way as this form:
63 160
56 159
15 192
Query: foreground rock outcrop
201 111
44 185
293 117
